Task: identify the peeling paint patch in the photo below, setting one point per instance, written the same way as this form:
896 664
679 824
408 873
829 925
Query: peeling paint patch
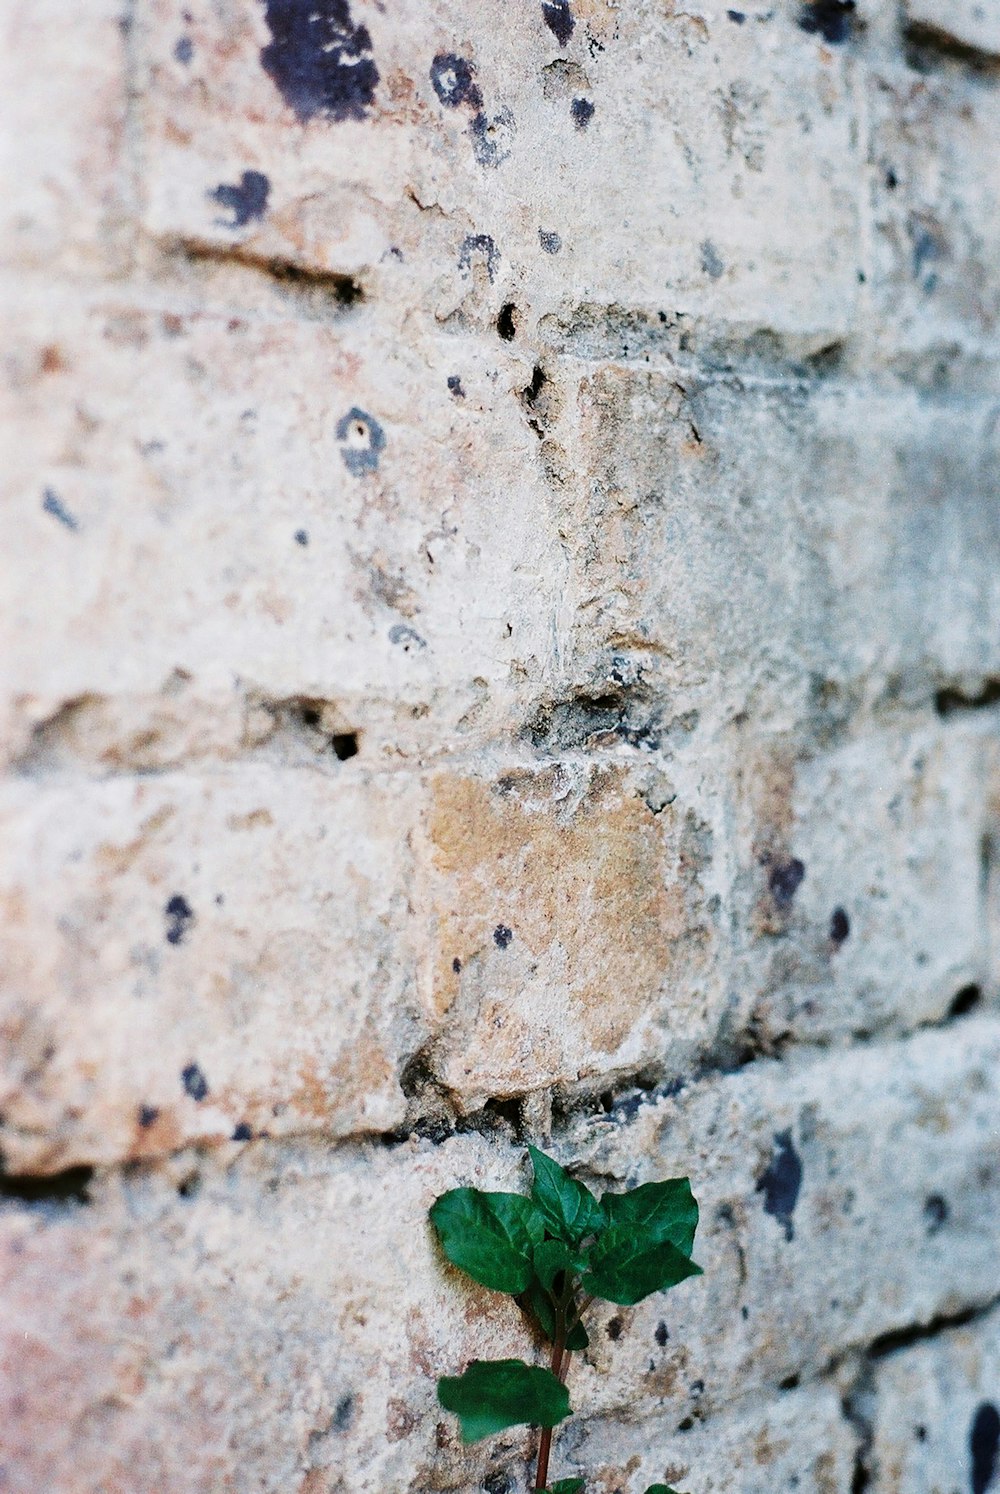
453 79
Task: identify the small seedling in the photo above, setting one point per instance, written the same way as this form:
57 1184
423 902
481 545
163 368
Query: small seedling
557 1252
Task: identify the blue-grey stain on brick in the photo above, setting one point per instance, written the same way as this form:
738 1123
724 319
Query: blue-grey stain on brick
148 1116
184 50
194 1082
318 59
453 79
479 243
53 504
785 879
492 139
710 260
179 917
830 19
780 1182
984 1444
245 199
363 441
559 19
550 242
242 1132
406 637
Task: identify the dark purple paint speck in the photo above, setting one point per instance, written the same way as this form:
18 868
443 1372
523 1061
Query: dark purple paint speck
455 385
454 81
53 504
984 1444
301 537
502 936
559 19
242 1132
785 879
148 1114
363 441
830 19
318 59
840 926
582 111
550 242
184 50
245 199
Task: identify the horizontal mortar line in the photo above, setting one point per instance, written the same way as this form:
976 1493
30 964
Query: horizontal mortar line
796 1061
148 294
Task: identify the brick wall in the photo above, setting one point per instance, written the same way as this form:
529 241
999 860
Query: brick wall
502 558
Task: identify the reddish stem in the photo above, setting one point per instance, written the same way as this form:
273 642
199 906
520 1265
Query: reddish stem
559 1365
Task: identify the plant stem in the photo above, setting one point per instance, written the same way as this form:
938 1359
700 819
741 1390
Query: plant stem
559 1366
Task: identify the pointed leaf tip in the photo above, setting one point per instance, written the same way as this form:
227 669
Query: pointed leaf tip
570 1209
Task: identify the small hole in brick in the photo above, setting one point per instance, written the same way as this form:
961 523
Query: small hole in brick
686 1424
345 745
188 1186
790 1382
507 321
614 1328
69 1186
310 716
965 1001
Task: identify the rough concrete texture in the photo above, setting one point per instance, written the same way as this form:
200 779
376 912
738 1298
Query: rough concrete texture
502 564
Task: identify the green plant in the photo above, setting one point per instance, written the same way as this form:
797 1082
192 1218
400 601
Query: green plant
557 1252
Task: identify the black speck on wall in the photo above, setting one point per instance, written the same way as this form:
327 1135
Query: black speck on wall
830 19
318 59
245 199
984 1445
179 916
502 936
780 1182
785 879
194 1082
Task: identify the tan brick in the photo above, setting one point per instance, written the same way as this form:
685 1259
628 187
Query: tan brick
571 934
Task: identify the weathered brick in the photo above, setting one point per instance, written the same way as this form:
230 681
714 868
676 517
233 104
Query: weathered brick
817 1183
197 480
936 1411
485 132
572 938
185 956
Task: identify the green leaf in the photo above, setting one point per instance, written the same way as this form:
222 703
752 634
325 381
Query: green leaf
625 1268
660 1489
551 1257
499 1393
489 1236
538 1301
571 1211
566 1486
657 1211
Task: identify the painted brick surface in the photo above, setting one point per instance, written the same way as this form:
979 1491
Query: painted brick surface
499 537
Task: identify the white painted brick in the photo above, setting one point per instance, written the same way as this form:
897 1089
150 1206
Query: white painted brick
935 1410
971 23
738 137
63 83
